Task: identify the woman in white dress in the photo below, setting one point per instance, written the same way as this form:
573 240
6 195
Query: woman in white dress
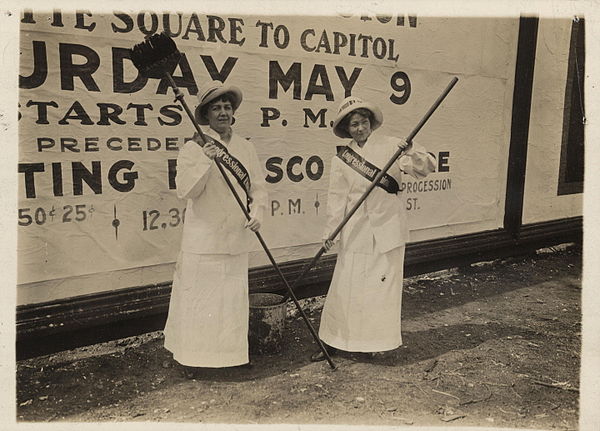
207 324
362 308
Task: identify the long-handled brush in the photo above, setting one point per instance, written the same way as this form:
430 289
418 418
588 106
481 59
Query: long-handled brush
157 57
375 181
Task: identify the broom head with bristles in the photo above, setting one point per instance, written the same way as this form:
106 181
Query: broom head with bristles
155 56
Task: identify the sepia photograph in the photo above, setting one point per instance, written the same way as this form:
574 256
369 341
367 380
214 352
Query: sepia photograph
273 215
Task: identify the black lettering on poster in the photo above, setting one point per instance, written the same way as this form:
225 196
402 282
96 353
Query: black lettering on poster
71 69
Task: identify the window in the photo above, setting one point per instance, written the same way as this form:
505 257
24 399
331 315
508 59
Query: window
570 178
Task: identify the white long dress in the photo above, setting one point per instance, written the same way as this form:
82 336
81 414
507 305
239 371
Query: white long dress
207 324
362 310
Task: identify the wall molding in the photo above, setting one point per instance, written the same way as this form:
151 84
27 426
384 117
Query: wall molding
63 324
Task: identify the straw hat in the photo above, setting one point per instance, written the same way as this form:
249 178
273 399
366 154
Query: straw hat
350 104
213 90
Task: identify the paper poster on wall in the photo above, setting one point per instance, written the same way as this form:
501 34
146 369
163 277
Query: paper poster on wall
98 143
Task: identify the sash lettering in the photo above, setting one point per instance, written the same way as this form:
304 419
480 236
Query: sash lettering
233 165
367 169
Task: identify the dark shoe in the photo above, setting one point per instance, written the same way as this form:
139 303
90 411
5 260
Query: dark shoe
247 366
320 356
378 355
388 356
189 373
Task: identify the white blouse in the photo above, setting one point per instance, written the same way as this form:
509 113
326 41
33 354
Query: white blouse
214 222
381 219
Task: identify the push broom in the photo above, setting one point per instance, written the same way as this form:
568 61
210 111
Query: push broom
157 57
375 181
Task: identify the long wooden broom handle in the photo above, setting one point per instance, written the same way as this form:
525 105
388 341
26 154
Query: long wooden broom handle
374 183
290 292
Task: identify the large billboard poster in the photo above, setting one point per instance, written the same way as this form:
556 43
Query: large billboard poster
98 143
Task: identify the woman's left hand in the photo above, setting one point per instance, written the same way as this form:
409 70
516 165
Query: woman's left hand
253 224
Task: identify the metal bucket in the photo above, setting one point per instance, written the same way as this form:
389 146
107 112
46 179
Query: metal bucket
267 322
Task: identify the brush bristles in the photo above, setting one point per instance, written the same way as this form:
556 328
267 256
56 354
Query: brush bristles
155 56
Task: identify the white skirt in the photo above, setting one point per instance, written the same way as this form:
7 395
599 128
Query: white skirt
362 309
207 325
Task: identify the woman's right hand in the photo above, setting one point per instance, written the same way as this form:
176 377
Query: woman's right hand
210 150
404 145
327 244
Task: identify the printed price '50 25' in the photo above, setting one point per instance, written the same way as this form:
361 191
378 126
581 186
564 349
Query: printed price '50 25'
40 216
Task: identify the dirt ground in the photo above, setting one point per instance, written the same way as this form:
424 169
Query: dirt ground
495 344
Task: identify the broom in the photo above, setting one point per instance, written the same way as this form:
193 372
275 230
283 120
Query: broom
157 57
375 181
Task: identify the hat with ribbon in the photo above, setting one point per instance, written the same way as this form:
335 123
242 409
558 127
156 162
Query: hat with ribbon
213 90
350 104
